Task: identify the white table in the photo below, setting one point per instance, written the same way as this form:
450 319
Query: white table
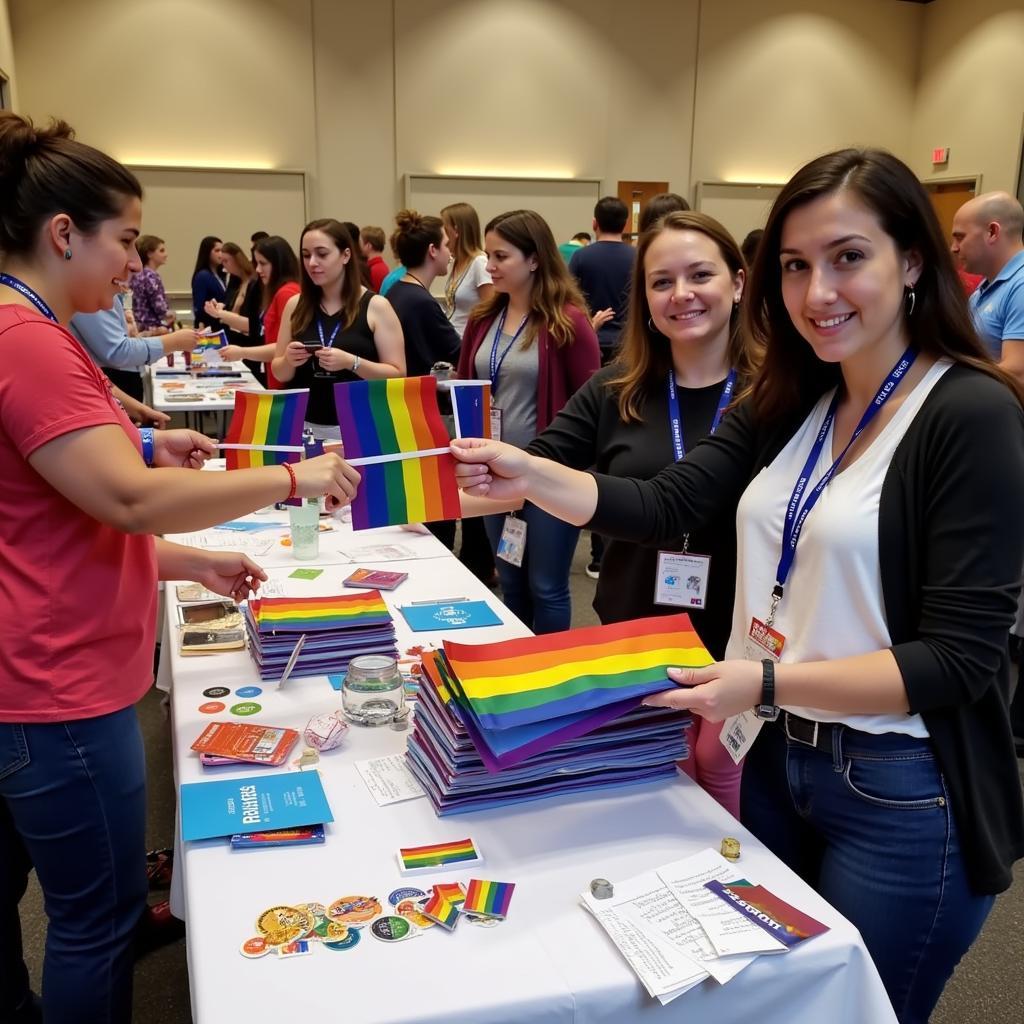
215 395
549 961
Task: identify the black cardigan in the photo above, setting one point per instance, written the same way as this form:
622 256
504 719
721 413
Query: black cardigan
951 548
589 432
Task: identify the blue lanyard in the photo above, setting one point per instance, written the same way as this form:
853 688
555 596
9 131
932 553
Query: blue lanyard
676 420
320 330
797 515
23 289
495 361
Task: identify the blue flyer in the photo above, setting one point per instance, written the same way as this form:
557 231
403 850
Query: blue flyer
255 803
424 618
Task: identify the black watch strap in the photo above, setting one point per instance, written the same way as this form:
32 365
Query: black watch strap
767 709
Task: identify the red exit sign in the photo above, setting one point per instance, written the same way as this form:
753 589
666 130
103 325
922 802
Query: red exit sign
940 155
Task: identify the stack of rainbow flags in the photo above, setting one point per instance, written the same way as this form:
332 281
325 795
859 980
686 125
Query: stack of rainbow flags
526 719
337 629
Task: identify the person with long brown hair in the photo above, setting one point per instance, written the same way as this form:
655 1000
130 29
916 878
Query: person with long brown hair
335 329
468 281
240 307
879 551
683 358
79 542
533 340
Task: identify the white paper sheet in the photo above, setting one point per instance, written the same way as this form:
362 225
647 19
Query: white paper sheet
389 780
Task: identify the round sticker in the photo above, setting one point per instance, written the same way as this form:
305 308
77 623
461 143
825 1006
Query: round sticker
316 909
247 708
410 911
281 925
407 893
354 909
216 691
212 707
391 929
331 931
348 942
255 947
248 691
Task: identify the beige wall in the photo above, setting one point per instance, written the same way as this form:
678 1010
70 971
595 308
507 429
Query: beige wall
7 51
971 93
358 93
779 83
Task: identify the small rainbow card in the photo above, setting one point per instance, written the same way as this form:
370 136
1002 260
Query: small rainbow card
458 854
488 899
438 909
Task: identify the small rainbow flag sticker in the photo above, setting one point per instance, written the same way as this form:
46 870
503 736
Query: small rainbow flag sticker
453 892
488 899
458 854
444 912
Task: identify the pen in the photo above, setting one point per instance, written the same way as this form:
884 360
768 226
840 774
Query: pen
441 600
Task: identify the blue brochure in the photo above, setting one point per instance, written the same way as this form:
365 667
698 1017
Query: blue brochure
423 618
254 803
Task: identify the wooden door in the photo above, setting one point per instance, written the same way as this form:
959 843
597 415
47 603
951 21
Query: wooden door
635 194
947 197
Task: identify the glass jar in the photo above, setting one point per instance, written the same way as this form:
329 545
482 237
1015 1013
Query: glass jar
373 691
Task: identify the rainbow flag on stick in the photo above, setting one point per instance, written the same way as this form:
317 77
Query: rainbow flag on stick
392 429
265 422
546 678
462 852
471 404
489 899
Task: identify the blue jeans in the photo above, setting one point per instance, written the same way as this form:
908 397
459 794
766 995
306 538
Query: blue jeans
870 827
73 805
538 591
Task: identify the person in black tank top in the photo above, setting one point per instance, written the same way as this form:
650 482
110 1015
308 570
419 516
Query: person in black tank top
334 330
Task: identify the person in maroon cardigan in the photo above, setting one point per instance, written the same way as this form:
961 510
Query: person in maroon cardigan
533 340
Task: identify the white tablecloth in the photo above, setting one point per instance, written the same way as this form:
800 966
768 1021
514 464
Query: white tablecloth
549 961
160 375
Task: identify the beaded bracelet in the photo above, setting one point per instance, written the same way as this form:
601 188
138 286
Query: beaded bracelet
294 483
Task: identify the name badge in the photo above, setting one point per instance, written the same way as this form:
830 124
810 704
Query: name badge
763 642
495 423
682 579
512 546
739 732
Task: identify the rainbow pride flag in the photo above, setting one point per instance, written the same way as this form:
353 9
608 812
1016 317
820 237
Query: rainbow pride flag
544 678
314 614
489 899
438 909
453 892
396 424
266 418
438 855
471 404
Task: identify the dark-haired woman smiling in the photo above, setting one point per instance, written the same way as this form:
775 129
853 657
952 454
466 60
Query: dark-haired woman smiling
335 329
879 550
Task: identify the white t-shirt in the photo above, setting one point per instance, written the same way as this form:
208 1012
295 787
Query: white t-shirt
462 293
833 605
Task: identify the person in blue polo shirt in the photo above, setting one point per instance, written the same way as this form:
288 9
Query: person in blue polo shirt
987 240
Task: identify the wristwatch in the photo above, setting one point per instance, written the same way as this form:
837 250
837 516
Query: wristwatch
767 709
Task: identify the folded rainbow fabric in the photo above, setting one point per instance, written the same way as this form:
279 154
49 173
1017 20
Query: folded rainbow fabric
489 899
438 909
547 678
397 420
311 614
459 853
471 406
266 418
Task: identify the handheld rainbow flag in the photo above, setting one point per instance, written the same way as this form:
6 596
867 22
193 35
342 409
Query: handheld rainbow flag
438 909
488 899
547 678
266 420
471 404
310 614
414 859
392 429
208 343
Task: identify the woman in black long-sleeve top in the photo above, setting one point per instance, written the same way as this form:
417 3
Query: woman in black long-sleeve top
682 332
876 476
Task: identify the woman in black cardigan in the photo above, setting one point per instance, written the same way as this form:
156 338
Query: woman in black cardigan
876 472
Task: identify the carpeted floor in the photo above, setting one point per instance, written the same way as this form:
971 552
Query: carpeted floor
988 987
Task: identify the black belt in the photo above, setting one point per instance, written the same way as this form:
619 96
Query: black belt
807 732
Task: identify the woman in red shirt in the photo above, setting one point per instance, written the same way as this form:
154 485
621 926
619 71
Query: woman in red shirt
78 513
